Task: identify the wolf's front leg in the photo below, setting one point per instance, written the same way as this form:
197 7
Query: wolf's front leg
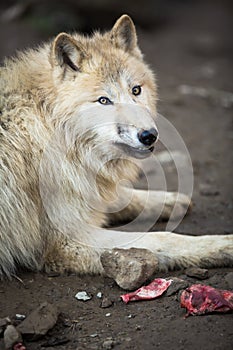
173 250
150 205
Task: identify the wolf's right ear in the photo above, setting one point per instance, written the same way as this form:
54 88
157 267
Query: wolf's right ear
67 52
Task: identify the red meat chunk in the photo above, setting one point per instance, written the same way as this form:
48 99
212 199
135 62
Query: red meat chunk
19 346
200 299
156 288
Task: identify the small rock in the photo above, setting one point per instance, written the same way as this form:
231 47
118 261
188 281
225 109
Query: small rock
20 317
94 335
39 321
83 296
106 302
99 295
176 285
130 268
198 273
108 344
108 314
3 323
11 337
229 278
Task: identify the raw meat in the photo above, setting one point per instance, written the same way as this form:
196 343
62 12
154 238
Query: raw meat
200 299
156 288
19 346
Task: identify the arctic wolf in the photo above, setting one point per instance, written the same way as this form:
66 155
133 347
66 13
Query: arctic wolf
75 114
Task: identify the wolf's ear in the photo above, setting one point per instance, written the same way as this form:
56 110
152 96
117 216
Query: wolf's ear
67 52
123 34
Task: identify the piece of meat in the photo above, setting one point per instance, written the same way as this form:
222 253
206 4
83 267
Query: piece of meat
19 346
200 299
153 290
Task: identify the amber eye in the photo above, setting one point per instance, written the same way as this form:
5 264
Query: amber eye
136 90
104 100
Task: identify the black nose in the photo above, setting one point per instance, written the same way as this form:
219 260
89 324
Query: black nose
148 137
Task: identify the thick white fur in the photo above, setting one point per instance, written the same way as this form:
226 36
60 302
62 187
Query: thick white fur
60 165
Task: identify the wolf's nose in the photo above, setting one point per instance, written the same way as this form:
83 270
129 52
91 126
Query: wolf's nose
148 137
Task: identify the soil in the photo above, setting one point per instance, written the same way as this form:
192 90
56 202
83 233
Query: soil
193 48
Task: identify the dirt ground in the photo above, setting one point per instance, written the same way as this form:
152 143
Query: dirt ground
193 48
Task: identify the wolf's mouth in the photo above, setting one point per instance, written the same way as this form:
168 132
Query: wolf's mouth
135 152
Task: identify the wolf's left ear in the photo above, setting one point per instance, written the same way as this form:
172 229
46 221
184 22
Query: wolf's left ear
67 52
123 34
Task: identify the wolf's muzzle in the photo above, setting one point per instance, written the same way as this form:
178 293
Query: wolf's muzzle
148 137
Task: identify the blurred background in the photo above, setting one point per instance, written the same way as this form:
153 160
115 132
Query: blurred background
25 22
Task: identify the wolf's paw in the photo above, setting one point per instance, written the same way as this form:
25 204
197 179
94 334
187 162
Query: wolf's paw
218 252
176 206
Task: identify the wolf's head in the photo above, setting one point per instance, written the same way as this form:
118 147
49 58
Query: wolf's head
105 93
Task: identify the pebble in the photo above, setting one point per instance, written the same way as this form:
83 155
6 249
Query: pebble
94 335
11 337
198 273
108 344
108 314
83 296
99 295
39 321
106 302
3 323
20 317
176 285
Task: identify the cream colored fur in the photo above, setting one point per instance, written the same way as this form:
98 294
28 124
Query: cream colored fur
60 161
